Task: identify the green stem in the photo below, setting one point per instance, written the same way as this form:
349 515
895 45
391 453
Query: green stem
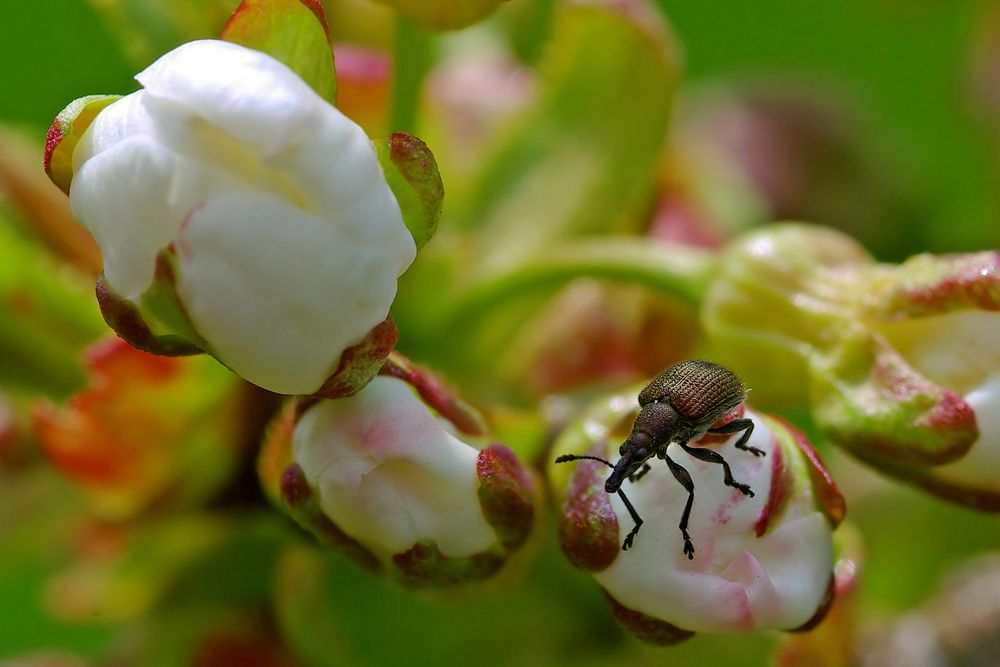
678 271
412 60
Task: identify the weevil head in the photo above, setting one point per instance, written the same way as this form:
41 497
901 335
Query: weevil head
654 429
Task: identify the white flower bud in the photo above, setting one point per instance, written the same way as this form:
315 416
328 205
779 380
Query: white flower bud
737 579
401 487
389 474
760 562
285 239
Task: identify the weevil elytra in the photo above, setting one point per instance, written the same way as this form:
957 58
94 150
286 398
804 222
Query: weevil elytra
679 405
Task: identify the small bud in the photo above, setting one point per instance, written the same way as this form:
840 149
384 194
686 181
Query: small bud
402 477
901 361
761 561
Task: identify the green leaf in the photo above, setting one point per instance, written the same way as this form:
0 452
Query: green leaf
413 175
292 31
584 156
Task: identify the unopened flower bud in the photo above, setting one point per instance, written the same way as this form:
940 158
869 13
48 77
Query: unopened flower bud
239 213
901 361
760 561
403 477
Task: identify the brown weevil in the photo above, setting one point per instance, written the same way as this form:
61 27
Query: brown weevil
680 405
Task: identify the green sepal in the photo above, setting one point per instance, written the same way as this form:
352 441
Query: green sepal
868 399
294 32
160 300
65 133
412 173
131 325
361 362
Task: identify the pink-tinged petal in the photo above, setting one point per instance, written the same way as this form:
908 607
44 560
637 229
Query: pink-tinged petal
830 500
798 555
64 134
304 508
445 401
390 475
782 486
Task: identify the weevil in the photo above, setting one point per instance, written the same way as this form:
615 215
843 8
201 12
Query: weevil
679 405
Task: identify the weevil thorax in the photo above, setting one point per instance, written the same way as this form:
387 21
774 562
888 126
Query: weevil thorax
653 430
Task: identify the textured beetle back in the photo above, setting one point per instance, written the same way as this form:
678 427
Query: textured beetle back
700 391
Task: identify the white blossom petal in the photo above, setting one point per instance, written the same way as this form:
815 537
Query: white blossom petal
253 97
390 475
133 197
276 292
123 119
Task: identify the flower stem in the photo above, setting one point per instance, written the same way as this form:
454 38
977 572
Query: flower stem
412 59
678 271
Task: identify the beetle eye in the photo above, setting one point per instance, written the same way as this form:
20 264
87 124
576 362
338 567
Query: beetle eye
621 450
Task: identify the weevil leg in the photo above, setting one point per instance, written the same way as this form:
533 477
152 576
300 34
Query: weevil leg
637 475
635 517
684 477
713 456
745 425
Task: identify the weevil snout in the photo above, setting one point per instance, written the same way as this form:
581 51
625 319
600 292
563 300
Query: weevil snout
634 452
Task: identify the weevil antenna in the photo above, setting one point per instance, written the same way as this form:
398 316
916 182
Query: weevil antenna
573 457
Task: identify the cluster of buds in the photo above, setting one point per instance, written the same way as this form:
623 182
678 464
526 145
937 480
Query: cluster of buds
900 361
183 186
760 561
404 477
